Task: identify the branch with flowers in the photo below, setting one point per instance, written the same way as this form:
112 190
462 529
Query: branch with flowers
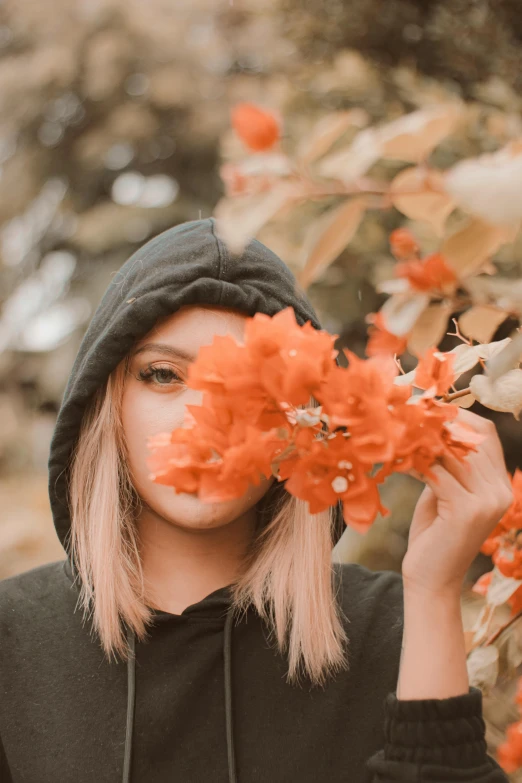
256 422
279 405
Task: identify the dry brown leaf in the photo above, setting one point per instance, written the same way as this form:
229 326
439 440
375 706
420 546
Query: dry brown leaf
413 193
429 328
506 359
260 163
465 402
405 379
466 357
508 294
468 249
482 623
401 311
239 219
327 131
415 135
409 138
489 186
352 162
489 350
397 285
501 588
328 237
513 653
504 394
483 668
481 322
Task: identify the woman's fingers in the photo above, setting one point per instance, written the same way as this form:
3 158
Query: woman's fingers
491 443
465 472
488 461
444 484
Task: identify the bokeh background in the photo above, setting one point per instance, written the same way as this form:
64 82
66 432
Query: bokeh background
114 119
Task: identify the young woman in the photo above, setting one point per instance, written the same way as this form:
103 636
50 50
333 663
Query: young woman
219 642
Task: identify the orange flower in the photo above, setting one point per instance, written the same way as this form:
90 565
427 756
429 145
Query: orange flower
280 362
490 545
179 460
426 437
381 340
509 562
430 274
215 362
403 244
357 397
509 753
226 369
330 472
258 128
435 371
247 460
459 438
291 360
218 457
513 516
511 521
482 584
253 422
481 587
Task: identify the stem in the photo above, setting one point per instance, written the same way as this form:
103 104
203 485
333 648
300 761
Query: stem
317 190
490 620
456 395
502 628
457 332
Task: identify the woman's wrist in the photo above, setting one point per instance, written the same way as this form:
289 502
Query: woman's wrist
433 657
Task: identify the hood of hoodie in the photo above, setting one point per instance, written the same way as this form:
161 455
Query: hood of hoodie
184 265
187 264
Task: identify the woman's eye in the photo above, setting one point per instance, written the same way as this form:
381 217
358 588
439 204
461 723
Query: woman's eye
160 376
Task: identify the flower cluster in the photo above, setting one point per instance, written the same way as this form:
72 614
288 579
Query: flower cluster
504 544
432 273
509 753
279 405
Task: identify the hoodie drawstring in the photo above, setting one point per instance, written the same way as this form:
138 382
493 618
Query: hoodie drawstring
131 700
227 664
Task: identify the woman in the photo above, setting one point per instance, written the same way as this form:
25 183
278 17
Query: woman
219 642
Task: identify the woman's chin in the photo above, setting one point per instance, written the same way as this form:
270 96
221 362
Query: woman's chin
190 512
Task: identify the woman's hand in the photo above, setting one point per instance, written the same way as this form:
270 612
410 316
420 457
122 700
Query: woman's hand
455 515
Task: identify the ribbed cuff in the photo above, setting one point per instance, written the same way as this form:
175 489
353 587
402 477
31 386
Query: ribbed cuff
448 732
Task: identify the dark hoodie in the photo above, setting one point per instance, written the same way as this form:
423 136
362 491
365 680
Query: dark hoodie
205 698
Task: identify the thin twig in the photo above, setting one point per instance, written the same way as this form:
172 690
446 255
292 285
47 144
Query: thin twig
502 628
456 395
457 332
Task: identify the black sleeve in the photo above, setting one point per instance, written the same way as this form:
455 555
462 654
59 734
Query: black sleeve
5 774
436 740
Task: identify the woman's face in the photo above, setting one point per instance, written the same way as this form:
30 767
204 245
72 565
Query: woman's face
154 400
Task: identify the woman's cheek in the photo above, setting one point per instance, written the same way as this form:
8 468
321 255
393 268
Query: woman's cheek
143 416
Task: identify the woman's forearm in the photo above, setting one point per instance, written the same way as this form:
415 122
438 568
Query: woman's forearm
433 656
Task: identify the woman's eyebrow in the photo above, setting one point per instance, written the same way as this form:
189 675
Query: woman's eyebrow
169 350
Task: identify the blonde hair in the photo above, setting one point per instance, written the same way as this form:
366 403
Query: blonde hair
287 573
